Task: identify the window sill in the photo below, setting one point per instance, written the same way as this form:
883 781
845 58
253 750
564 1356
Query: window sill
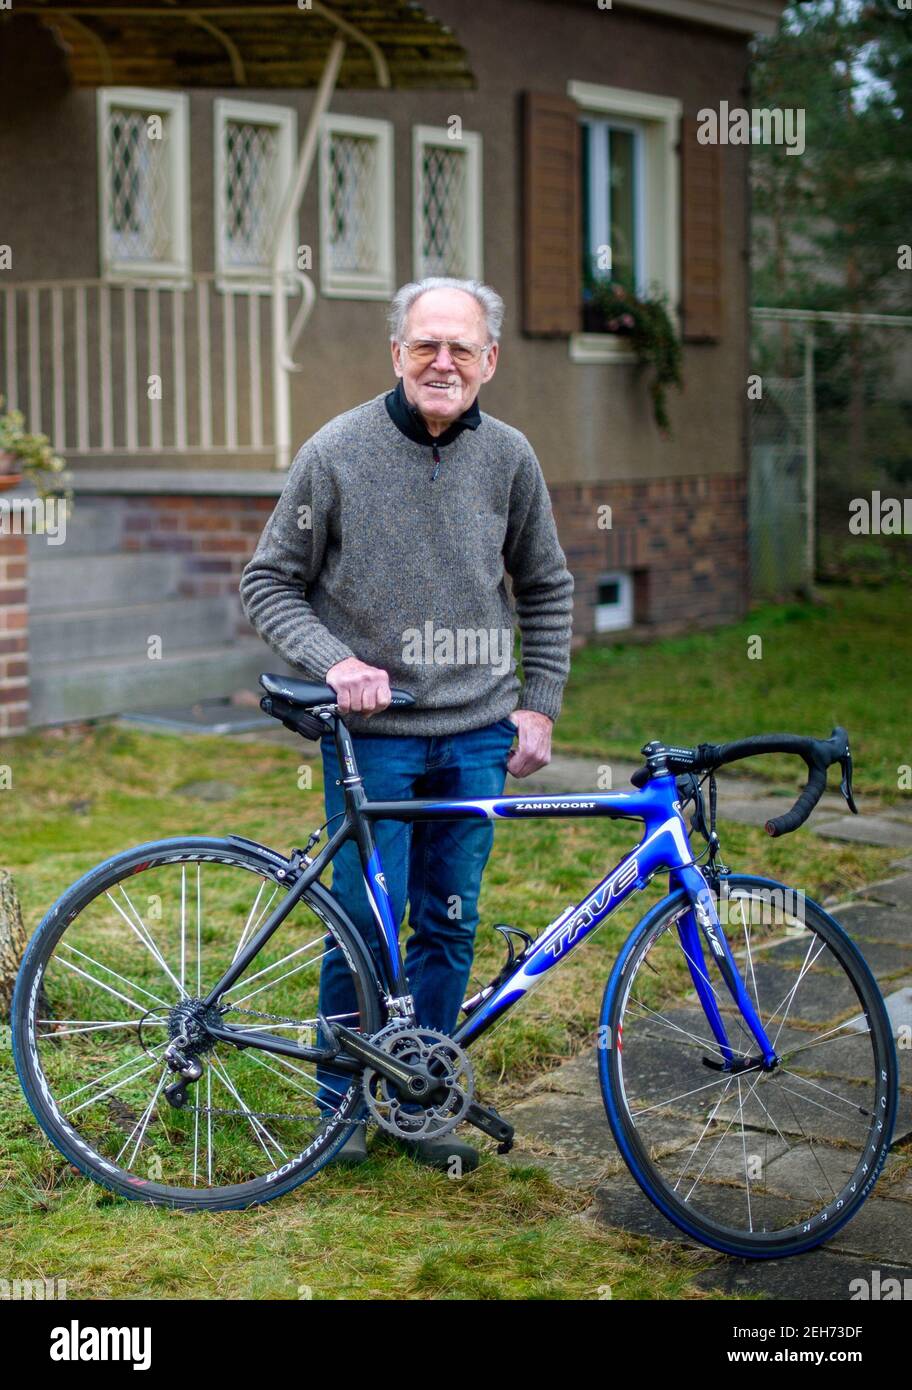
600 347
252 284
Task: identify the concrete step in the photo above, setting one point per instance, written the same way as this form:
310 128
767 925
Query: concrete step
76 634
89 689
103 581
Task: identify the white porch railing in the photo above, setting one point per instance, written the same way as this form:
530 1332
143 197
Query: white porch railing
149 369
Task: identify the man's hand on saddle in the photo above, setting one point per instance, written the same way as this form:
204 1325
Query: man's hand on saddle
534 748
360 689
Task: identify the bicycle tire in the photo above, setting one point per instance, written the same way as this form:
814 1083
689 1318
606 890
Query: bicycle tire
806 1233
245 855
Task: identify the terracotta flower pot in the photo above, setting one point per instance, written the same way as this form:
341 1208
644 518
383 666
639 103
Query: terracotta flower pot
8 477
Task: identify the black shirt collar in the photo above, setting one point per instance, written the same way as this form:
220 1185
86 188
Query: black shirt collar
408 418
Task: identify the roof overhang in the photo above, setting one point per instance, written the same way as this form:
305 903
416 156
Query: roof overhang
251 43
744 16
740 16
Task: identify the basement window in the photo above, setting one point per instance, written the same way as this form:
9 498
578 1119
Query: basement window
614 601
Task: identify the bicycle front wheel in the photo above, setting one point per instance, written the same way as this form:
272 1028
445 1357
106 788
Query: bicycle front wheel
755 1163
110 978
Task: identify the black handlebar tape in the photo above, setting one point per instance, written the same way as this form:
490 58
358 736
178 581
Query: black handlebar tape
819 751
816 786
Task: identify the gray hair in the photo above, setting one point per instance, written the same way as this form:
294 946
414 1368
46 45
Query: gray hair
490 301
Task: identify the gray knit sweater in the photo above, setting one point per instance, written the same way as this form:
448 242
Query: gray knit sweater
365 555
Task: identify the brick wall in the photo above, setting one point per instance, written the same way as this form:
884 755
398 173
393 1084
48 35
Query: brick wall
13 635
216 536
684 539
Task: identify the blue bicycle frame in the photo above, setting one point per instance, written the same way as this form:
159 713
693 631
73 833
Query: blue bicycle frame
665 847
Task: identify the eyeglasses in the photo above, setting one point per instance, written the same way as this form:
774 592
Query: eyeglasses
426 349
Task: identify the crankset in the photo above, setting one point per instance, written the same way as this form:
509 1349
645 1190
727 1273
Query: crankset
429 1055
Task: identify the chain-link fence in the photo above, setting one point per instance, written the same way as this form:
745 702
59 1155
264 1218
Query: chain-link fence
831 449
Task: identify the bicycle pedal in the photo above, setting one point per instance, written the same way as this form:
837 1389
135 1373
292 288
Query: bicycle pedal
489 1122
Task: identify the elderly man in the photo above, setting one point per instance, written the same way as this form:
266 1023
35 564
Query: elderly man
383 564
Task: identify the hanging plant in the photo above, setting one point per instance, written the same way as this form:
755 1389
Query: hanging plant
610 308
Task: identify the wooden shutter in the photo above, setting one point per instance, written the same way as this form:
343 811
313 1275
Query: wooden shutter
552 248
701 192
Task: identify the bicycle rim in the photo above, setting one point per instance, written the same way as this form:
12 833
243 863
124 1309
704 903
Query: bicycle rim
95 1008
754 1163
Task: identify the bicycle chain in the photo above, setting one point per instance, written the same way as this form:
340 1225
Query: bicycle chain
261 1114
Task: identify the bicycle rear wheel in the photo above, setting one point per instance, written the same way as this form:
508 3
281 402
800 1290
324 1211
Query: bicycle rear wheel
755 1163
97 1001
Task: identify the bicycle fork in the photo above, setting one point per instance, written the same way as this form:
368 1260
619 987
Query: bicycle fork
702 921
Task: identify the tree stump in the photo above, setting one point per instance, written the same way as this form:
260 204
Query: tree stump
12 941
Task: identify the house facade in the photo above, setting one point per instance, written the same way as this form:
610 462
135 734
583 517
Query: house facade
205 219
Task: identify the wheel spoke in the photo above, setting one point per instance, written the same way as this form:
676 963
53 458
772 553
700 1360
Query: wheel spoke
141 931
108 971
143 1122
259 1129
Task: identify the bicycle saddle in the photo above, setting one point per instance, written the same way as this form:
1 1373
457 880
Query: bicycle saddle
306 694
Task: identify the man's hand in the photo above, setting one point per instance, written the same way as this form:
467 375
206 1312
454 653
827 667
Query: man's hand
534 750
360 689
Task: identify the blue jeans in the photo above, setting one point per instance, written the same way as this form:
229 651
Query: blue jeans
435 865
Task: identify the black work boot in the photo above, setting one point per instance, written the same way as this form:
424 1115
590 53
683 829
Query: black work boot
354 1150
440 1153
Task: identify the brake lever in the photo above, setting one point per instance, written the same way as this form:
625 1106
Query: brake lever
689 789
845 786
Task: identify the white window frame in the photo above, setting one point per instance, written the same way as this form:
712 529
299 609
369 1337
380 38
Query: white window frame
424 136
659 118
349 284
600 213
285 120
616 617
176 106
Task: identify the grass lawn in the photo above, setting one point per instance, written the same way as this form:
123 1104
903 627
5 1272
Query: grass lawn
390 1230
845 660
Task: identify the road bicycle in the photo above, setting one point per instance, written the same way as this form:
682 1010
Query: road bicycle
168 1043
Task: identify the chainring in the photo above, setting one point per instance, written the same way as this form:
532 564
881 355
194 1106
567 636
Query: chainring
444 1059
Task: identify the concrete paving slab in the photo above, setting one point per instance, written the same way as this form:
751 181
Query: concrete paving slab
882 957
867 830
881 1230
896 892
820 1275
576 1077
899 1007
568 1124
866 921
